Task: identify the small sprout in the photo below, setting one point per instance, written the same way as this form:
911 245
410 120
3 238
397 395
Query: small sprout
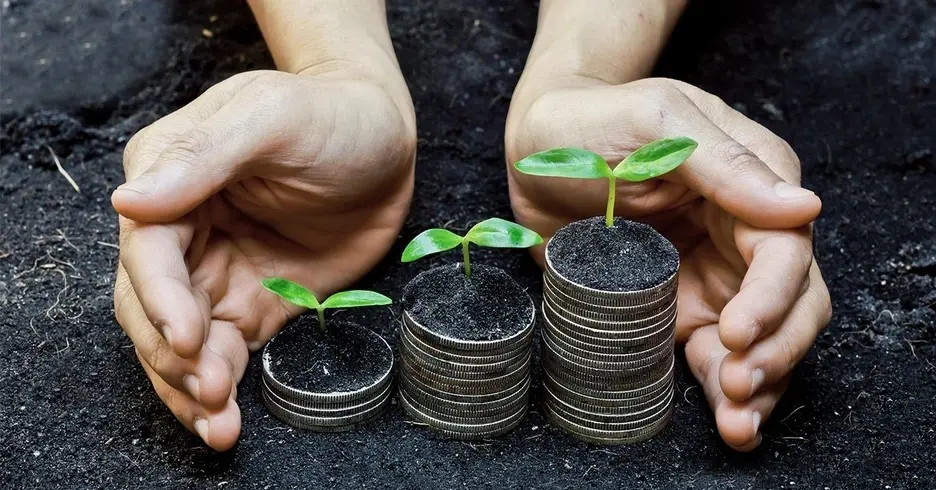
649 161
493 232
300 296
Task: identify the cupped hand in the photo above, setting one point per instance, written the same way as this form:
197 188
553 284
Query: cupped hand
751 296
265 174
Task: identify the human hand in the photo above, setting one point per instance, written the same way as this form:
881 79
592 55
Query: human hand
265 174
751 296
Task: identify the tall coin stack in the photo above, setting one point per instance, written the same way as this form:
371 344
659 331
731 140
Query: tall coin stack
608 359
461 388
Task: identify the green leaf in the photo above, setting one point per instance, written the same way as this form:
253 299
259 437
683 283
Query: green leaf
430 242
655 159
573 163
500 233
290 291
354 299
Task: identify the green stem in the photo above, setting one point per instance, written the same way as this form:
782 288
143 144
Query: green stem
321 317
609 214
465 258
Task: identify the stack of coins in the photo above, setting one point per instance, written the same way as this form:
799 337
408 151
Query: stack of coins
327 412
462 388
608 359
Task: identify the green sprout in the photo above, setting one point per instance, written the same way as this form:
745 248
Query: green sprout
649 161
493 232
300 296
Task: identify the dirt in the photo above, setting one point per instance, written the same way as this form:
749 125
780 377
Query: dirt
345 357
489 305
847 83
628 256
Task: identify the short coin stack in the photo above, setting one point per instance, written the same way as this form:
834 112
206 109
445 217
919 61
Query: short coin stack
608 359
332 405
464 389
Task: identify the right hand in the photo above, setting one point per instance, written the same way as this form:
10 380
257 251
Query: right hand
266 174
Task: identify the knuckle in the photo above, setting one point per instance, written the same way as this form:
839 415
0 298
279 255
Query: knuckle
160 355
189 147
123 291
737 158
133 148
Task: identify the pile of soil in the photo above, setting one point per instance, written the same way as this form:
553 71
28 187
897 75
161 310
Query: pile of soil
848 83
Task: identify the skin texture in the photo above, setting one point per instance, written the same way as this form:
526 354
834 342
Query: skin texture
306 176
751 297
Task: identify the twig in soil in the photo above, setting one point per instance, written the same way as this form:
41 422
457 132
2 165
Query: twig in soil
893 320
35 265
797 409
61 169
912 350
134 463
58 297
61 236
111 245
686 393
586 471
67 346
4 255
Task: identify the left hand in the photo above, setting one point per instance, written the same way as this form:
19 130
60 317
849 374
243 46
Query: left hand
751 296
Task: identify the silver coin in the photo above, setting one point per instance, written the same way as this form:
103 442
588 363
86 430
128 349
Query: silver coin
446 404
589 366
603 336
328 410
606 437
620 354
613 298
609 423
635 323
462 386
621 414
487 346
597 396
573 397
481 397
466 416
304 397
583 338
458 369
466 356
468 428
325 424
620 311
617 380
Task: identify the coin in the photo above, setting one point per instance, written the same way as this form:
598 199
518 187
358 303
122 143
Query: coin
458 369
610 322
602 336
329 409
457 402
572 390
463 386
481 397
490 427
324 424
611 298
589 366
488 346
632 356
608 346
620 413
593 436
632 309
616 380
466 356
471 416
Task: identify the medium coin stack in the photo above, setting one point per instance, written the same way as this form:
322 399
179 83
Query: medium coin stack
336 410
608 359
464 389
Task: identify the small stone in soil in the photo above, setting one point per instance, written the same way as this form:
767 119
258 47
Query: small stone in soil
489 305
345 357
626 257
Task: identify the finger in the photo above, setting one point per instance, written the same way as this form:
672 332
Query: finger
731 175
738 423
153 258
219 429
206 377
769 360
227 343
779 264
198 162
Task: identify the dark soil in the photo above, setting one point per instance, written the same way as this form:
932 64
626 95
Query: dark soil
626 257
345 357
848 83
489 305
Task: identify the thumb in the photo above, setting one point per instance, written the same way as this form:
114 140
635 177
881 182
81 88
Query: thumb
729 174
198 164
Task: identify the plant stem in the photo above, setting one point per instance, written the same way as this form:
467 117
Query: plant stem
609 214
321 317
465 258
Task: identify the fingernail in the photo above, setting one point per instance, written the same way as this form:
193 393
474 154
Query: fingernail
789 191
756 419
190 382
757 377
201 427
144 184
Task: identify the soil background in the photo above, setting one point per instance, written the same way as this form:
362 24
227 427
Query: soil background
848 82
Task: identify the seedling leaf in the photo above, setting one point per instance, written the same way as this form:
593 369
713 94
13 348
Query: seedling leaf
573 163
430 242
496 232
655 159
290 291
356 298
